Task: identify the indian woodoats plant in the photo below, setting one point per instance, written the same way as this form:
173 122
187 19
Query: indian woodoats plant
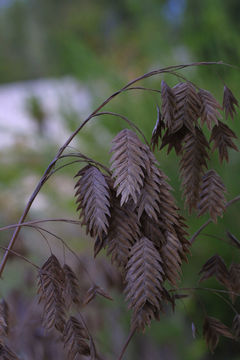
129 211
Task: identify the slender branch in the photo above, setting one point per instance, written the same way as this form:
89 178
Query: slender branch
226 301
28 223
65 165
204 288
43 179
33 224
70 250
195 235
20 256
143 88
216 292
43 236
129 338
125 119
87 159
233 201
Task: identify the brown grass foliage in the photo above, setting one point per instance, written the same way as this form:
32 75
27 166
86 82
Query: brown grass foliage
130 212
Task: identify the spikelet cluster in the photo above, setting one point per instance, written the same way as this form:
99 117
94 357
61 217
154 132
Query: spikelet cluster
58 291
142 230
131 213
6 352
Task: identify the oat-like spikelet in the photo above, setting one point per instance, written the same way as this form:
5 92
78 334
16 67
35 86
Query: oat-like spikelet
129 162
229 103
209 108
154 230
150 193
93 200
172 262
212 197
212 330
76 339
168 105
182 235
174 140
71 290
123 233
187 109
51 285
7 354
215 266
4 321
234 279
193 162
161 222
144 278
222 137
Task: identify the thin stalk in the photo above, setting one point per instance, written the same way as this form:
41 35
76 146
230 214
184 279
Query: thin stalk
71 251
203 226
87 159
195 235
65 165
20 257
205 289
143 88
28 223
216 292
129 338
226 301
43 236
125 119
32 224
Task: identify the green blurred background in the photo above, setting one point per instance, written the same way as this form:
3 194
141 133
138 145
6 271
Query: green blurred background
97 47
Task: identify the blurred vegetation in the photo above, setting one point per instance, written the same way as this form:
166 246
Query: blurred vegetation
103 45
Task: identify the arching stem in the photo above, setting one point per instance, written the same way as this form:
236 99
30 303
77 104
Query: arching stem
130 336
195 235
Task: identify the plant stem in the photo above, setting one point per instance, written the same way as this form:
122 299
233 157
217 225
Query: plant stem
130 336
13 226
21 257
195 235
130 123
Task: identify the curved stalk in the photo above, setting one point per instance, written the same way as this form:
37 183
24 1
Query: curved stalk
195 235
130 123
130 336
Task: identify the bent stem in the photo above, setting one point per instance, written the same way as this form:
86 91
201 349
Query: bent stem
129 338
169 69
195 235
21 257
13 226
130 123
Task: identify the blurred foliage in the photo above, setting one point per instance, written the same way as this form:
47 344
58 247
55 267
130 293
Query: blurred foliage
104 45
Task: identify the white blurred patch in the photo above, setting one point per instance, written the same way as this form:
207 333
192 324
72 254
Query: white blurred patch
16 122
